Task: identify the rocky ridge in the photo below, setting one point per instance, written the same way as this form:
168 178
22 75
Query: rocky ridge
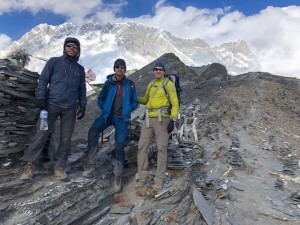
239 137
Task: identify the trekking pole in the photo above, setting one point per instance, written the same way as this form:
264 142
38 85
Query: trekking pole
179 123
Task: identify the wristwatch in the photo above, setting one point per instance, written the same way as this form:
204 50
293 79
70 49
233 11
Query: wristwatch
174 119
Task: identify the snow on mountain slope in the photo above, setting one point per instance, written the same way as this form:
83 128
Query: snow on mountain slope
138 44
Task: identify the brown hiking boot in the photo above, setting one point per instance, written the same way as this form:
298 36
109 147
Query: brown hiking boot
140 183
158 185
60 174
117 184
88 172
27 171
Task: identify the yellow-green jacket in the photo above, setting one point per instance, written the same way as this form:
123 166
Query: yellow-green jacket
156 97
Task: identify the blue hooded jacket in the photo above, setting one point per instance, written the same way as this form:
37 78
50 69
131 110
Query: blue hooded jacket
108 93
62 81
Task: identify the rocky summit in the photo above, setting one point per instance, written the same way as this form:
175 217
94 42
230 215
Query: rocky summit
234 160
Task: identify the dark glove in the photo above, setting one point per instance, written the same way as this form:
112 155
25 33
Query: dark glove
171 126
41 103
80 112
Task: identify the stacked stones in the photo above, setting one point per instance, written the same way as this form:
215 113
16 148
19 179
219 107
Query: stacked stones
17 106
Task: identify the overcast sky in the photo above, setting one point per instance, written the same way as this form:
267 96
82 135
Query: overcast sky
270 27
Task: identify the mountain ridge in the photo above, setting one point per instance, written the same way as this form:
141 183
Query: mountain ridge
136 43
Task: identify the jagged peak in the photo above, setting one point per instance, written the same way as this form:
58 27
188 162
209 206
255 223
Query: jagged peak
67 24
235 43
42 26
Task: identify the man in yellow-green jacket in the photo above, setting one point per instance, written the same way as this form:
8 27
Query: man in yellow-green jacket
162 107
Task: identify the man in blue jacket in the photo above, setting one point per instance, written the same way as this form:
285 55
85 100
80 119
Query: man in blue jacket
61 91
117 100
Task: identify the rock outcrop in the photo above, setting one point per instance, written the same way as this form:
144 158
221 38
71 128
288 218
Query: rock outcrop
237 160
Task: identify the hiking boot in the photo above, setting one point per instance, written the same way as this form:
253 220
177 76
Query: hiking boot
60 174
27 171
89 172
118 169
117 184
158 186
140 183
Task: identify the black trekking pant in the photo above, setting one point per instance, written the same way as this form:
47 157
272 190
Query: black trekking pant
67 124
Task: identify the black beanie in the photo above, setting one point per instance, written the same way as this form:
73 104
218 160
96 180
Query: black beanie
120 62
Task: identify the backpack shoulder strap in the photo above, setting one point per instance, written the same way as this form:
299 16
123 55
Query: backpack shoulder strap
165 87
152 83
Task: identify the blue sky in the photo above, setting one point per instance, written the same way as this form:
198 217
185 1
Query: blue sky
15 21
271 28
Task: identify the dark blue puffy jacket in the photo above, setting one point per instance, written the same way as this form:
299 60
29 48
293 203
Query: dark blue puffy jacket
107 95
62 82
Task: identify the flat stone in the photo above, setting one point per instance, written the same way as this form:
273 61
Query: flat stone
203 207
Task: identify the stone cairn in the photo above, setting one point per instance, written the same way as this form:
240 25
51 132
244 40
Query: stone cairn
17 106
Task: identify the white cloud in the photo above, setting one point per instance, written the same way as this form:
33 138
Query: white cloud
5 41
75 10
272 34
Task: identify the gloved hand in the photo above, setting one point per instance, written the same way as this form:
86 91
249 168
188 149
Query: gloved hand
171 126
80 112
41 103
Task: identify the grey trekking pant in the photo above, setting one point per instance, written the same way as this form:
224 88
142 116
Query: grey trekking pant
67 124
159 128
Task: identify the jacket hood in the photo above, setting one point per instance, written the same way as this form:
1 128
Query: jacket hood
111 78
73 40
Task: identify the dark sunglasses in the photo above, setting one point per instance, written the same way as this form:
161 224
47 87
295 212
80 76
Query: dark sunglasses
158 69
72 46
120 67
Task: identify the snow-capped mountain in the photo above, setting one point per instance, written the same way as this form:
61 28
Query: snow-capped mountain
138 44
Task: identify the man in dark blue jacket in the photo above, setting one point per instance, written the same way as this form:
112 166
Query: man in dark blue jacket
61 91
117 100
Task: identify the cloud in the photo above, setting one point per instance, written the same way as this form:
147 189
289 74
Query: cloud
272 34
76 11
5 41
